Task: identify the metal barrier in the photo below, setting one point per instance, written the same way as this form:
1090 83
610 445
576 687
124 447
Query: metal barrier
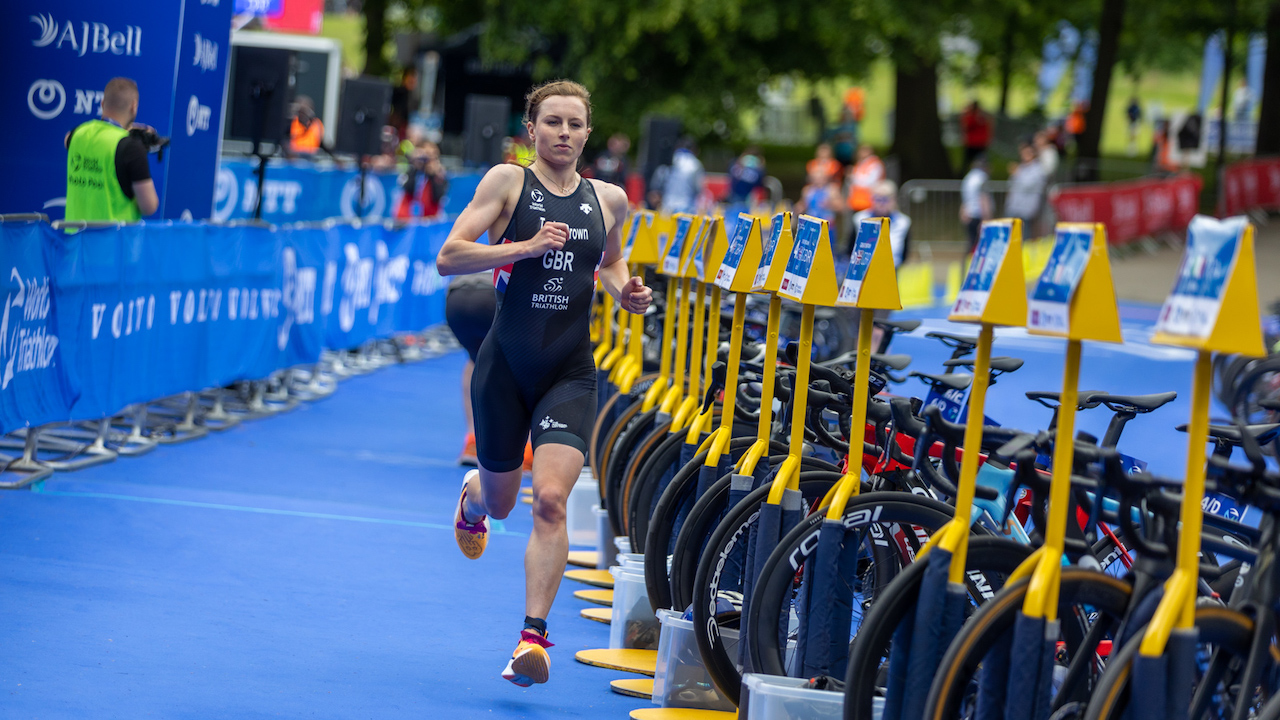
934 208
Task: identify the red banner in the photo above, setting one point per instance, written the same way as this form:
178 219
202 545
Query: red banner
1252 184
1133 208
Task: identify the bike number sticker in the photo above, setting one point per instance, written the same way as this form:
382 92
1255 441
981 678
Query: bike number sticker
636 221
695 257
1049 309
671 261
766 257
796 274
988 257
859 260
1210 258
733 254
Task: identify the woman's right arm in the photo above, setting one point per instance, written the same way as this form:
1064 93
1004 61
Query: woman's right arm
461 254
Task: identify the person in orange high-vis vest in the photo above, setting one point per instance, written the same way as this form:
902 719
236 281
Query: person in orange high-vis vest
868 171
306 131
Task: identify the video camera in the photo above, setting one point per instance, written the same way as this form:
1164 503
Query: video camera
155 142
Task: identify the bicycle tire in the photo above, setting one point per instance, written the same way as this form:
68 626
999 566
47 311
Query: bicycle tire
1218 625
701 524
1104 593
660 434
988 554
616 467
773 587
639 496
602 430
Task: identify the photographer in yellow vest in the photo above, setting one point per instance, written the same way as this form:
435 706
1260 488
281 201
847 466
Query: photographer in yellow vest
108 177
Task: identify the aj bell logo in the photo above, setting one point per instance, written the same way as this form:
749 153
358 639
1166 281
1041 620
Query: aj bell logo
206 56
96 37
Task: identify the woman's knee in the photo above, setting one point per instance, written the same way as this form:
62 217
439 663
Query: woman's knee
549 505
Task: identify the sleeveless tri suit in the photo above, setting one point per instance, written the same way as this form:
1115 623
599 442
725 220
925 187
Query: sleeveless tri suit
534 374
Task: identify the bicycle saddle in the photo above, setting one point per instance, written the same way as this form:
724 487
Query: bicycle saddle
1262 434
1084 398
955 381
898 325
998 364
1135 403
893 362
953 340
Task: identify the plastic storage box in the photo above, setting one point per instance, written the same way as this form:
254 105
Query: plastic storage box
681 680
605 551
633 624
580 518
767 697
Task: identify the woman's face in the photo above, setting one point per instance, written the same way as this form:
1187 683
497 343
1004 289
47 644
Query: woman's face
560 130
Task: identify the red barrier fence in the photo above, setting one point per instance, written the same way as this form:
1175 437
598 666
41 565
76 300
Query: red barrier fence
1252 184
1132 208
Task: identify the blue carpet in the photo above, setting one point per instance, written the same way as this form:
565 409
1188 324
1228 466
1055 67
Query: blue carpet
298 566
303 565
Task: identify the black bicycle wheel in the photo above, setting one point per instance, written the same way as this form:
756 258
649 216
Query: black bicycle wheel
867 519
1229 635
705 517
989 561
952 690
616 466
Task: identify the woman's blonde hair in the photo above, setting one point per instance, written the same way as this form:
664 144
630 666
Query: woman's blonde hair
567 88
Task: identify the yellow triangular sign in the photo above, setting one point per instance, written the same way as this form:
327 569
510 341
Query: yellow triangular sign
694 246
713 250
1214 302
1074 297
810 274
741 257
673 255
870 281
641 246
994 291
774 255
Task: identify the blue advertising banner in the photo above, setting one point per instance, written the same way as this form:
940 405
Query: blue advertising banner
35 385
104 318
58 56
302 191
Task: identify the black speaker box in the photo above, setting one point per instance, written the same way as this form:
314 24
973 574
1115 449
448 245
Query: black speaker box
261 93
486 125
658 137
366 102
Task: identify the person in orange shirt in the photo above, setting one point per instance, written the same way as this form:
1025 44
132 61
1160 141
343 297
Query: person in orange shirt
853 98
1074 124
822 164
868 171
306 132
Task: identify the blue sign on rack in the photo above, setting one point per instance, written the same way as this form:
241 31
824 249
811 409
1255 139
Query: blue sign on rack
1050 305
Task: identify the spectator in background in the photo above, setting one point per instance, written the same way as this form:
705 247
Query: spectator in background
853 102
1241 102
1026 189
1134 113
976 126
306 131
819 114
424 182
611 165
844 137
884 203
1074 124
820 197
402 100
975 201
746 174
684 179
1046 153
863 177
822 163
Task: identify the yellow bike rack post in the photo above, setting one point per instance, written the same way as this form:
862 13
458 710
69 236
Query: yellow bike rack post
665 234
767 279
870 284
808 278
688 409
671 264
992 293
1213 308
1074 299
641 251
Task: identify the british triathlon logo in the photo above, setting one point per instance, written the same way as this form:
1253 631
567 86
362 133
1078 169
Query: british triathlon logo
585 208
536 195
87 37
555 284
549 424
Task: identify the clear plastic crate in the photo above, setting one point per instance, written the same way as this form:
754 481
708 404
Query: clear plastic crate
681 680
633 624
580 518
605 551
768 697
